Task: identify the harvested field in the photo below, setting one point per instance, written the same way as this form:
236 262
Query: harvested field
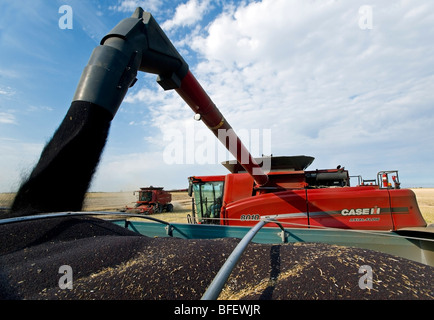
425 199
182 203
114 201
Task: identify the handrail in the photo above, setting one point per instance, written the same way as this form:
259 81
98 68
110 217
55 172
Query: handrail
80 213
170 225
225 271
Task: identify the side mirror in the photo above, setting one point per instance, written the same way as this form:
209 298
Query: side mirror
190 189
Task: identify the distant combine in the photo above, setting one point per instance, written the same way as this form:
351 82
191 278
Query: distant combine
151 200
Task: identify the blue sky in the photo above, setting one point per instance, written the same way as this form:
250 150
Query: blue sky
348 82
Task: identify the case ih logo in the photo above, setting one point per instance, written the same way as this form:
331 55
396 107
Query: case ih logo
360 211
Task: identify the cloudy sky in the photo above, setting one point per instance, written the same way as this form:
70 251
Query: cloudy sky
348 82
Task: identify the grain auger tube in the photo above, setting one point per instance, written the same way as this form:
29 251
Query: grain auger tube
72 155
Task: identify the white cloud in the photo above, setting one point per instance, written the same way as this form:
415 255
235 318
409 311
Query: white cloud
33 108
187 14
6 91
16 162
7 73
308 66
7 118
131 5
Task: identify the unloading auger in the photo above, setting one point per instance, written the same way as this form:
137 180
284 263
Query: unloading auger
62 176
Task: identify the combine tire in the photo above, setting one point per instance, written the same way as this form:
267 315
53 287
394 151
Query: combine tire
169 208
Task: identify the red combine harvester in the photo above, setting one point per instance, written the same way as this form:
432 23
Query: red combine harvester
151 200
300 198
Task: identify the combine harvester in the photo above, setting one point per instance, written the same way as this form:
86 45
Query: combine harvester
296 205
151 200
305 199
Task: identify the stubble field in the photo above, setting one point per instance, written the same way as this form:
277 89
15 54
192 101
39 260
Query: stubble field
107 201
115 201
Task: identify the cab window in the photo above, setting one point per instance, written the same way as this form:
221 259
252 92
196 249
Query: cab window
208 201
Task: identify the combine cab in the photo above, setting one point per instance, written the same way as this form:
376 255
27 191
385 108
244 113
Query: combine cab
304 199
151 200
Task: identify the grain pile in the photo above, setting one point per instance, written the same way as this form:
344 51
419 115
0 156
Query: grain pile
110 262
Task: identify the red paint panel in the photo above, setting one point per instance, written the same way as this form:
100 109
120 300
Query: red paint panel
350 208
405 210
290 205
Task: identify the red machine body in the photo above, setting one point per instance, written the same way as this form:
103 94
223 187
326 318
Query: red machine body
306 199
152 200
